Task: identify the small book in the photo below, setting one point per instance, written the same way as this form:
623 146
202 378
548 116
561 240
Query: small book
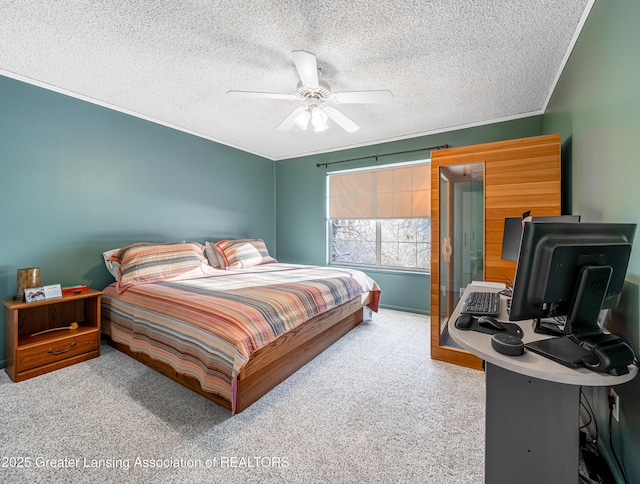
74 289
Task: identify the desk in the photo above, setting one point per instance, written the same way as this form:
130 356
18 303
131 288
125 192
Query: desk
532 407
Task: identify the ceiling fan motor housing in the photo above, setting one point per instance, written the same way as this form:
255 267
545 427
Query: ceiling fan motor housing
321 92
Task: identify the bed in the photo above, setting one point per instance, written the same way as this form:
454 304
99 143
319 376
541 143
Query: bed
226 326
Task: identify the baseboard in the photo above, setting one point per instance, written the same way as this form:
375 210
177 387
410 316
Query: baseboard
406 310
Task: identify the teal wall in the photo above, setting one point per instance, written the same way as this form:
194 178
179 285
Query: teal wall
596 109
78 179
301 202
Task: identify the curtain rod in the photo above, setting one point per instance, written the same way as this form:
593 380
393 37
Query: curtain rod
318 165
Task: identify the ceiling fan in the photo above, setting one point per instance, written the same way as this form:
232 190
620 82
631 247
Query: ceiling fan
315 93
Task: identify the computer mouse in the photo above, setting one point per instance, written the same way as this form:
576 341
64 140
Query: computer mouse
491 322
464 321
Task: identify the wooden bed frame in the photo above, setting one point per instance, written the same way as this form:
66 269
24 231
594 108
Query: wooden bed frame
275 362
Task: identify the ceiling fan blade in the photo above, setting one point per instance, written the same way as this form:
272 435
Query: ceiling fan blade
341 120
363 97
307 67
288 123
263 95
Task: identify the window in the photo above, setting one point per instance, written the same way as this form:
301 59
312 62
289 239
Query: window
380 217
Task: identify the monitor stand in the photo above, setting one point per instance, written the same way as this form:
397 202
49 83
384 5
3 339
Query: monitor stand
587 301
583 343
544 327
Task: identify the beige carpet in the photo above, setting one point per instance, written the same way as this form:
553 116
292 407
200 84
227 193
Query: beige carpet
372 408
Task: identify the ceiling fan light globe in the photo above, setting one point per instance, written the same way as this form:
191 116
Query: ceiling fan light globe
319 120
302 119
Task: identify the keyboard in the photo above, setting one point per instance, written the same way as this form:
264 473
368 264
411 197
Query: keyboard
481 303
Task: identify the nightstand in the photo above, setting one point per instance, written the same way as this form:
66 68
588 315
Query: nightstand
27 355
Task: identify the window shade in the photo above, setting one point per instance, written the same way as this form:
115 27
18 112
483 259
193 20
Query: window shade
401 192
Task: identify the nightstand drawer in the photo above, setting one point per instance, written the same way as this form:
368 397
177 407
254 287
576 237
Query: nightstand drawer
39 354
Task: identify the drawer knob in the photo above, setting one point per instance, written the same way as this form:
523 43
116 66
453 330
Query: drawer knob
59 352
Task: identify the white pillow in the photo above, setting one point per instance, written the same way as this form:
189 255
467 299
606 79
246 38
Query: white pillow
112 266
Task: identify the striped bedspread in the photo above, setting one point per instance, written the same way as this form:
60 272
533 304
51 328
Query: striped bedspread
209 327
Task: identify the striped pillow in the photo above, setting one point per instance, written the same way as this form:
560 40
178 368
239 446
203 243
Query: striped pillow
142 264
113 258
242 253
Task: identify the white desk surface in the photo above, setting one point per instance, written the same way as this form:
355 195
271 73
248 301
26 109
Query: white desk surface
529 363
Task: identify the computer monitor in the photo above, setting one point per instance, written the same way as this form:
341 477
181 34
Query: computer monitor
512 234
574 270
552 261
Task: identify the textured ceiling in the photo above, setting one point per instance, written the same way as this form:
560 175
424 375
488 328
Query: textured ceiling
449 64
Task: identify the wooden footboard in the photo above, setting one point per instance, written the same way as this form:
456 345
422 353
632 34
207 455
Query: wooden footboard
275 362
